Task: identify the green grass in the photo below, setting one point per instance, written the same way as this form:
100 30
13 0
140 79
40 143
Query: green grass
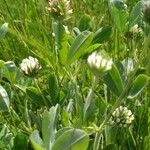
66 102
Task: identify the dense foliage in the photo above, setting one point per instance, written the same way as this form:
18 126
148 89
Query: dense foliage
74 75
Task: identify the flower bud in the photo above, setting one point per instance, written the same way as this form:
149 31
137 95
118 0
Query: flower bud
30 66
99 64
122 117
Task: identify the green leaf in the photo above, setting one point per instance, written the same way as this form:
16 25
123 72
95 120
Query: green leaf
58 31
35 95
73 139
65 119
53 87
3 30
92 48
2 63
80 46
20 142
135 15
61 39
91 112
4 99
119 15
88 105
76 31
113 80
102 34
20 87
36 140
61 131
10 71
49 126
85 23
138 85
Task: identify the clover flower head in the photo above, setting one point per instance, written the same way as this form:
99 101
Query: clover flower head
135 29
99 63
60 9
122 117
30 66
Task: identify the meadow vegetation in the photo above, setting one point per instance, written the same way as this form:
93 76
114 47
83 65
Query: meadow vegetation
74 75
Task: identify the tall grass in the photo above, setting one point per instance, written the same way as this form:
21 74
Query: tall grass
30 33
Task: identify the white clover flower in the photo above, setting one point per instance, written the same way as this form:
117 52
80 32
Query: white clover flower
129 113
30 66
120 125
121 108
94 60
117 120
135 29
109 64
68 7
52 2
60 9
122 117
98 63
125 125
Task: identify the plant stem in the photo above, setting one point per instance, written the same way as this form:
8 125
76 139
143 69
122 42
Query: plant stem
106 109
90 96
134 142
27 114
45 101
97 141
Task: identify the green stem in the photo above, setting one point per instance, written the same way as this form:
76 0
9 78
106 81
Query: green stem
8 10
25 104
14 117
45 101
90 96
27 114
106 109
134 142
116 44
97 141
